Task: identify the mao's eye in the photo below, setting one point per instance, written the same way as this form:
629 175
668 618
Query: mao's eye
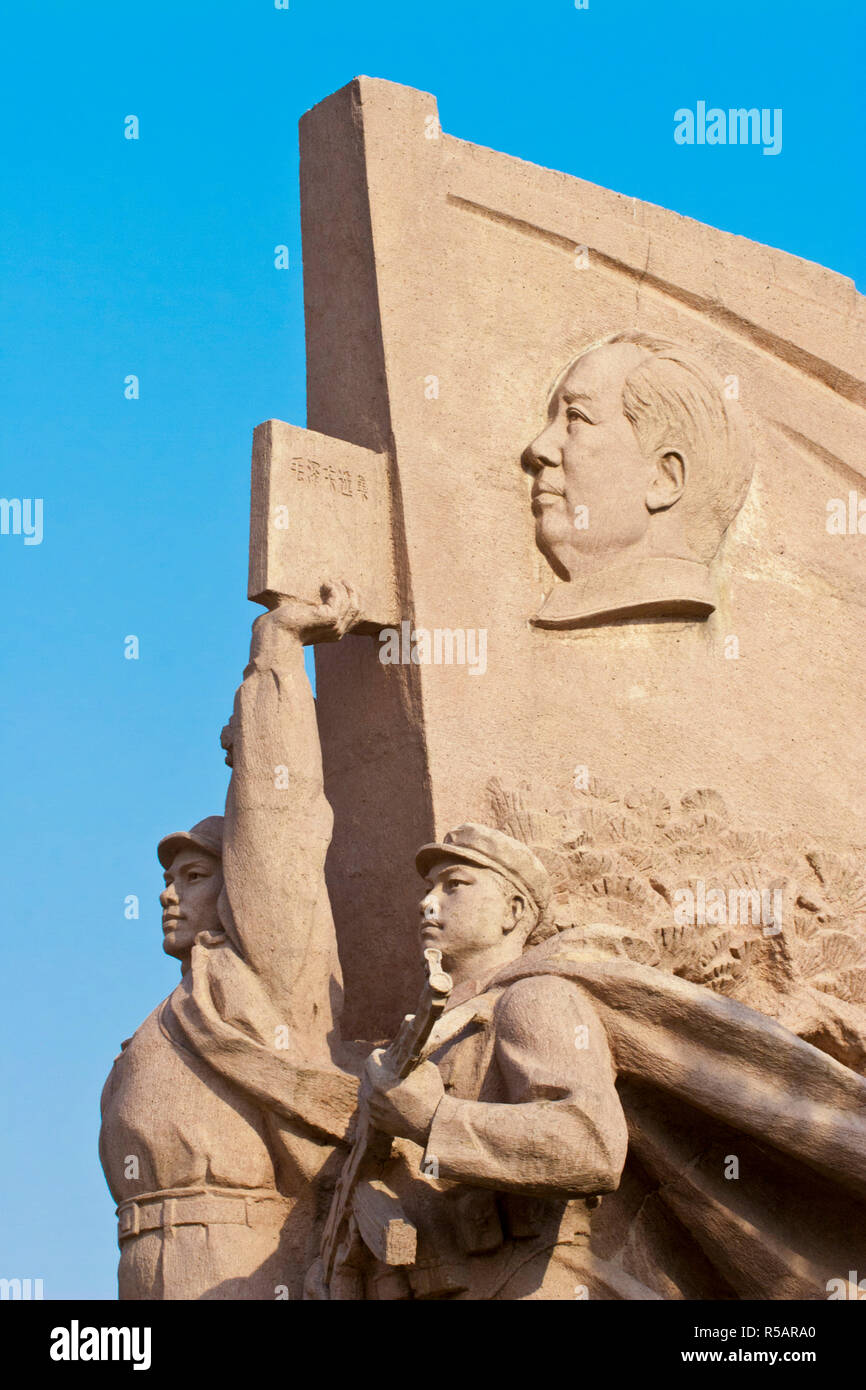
574 414
194 875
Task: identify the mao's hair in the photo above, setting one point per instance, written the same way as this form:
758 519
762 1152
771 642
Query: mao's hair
673 402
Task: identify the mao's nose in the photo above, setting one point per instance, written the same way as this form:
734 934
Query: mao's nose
541 453
168 896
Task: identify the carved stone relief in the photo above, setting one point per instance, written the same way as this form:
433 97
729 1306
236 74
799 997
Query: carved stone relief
640 469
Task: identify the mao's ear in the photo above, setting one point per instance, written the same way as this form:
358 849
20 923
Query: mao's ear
669 483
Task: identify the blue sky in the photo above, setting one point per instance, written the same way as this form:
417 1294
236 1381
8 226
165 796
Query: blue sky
155 257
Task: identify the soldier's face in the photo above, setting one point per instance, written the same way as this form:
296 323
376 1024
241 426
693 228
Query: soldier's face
465 910
193 883
590 478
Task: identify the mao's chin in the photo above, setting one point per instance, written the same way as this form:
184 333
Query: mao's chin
553 545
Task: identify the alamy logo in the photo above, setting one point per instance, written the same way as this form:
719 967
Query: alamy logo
738 907
852 1287
736 126
847 520
75 1343
21 1288
22 515
443 646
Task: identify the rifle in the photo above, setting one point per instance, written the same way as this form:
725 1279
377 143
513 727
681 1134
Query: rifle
395 1244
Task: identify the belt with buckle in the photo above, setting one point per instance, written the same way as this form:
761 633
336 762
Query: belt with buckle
200 1206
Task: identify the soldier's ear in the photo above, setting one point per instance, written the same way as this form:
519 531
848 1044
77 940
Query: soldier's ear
517 908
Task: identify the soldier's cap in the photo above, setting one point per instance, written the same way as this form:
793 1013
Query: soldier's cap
492 849
206 834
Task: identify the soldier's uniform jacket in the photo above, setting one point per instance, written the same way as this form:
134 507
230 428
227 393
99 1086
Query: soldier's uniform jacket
531 1126
529 1132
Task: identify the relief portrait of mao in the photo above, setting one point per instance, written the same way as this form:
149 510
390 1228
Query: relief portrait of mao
641 467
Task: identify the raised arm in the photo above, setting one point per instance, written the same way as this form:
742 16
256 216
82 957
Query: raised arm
278 822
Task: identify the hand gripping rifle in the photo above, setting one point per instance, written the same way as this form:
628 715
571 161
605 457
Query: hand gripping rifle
378 1216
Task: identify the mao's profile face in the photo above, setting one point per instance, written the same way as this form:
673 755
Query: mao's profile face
464 911
193 883
590 478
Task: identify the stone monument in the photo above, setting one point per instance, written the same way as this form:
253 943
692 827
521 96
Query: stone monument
564 530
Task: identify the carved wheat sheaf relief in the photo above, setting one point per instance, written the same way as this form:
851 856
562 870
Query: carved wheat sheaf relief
632 859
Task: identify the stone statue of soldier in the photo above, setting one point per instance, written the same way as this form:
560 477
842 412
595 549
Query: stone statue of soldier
221 1113
569 1131
508 1132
